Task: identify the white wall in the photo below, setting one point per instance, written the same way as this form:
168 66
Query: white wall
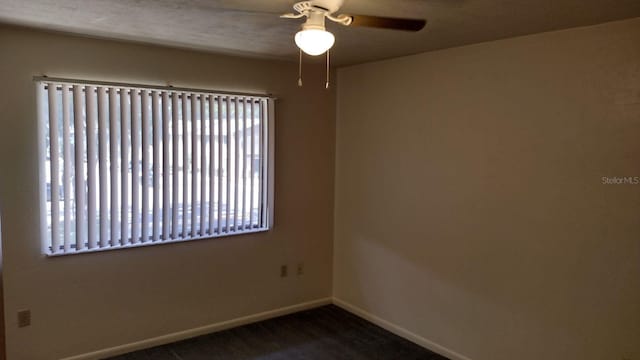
88 302
469 203
2 337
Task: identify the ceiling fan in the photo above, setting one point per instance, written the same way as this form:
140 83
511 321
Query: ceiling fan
313 37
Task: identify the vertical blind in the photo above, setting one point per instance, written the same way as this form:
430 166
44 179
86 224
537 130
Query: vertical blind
125 166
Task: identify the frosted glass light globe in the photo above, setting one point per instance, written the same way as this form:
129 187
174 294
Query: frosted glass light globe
314 41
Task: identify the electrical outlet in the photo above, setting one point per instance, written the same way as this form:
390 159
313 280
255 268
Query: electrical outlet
300 269
24 318
283 271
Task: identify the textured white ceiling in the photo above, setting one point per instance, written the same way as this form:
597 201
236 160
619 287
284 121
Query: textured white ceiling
253 28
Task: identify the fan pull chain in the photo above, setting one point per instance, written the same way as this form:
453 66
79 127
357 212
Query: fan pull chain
326 85
300 68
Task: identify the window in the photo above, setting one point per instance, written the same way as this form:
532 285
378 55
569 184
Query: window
131 166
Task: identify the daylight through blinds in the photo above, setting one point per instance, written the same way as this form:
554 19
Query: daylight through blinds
123 166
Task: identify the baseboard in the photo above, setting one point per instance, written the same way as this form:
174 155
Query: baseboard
400 331
185 334
189 333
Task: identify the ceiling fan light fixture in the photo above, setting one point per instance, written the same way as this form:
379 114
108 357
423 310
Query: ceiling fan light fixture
314 41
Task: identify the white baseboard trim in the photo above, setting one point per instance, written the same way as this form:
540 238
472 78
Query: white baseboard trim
400 331
206 329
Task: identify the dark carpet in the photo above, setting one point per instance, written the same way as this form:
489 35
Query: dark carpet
324 333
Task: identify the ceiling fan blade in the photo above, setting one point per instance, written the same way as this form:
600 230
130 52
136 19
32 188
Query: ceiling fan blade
388 23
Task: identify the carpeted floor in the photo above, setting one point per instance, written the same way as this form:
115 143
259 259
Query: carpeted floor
325 333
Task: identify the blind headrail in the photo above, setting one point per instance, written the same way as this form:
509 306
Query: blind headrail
151 87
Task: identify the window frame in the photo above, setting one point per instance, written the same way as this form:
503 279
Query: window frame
267 183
